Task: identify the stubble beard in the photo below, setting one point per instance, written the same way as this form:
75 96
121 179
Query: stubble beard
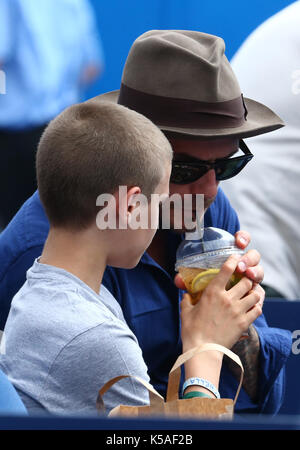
207 202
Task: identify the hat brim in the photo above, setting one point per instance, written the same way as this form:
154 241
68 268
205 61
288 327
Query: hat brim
260 120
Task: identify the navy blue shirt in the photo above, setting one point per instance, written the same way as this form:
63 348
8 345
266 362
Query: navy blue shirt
150 303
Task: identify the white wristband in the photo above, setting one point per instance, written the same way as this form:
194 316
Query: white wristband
203 383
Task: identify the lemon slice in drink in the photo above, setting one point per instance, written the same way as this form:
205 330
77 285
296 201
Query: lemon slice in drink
201 280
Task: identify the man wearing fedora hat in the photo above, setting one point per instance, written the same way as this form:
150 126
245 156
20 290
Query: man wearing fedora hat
184 83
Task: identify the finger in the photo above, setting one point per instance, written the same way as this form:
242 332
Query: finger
226 271
249 317
240 289
242 239
253 314
179 283
255 273
251 300
261 292
249 259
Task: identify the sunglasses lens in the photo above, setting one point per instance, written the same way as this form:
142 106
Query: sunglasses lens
229 168
185 173
182 174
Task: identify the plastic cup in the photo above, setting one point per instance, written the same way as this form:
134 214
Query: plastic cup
202 251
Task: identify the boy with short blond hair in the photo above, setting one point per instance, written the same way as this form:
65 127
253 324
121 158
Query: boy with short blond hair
66 335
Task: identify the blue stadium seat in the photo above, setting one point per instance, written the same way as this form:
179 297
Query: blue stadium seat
10 402
286 314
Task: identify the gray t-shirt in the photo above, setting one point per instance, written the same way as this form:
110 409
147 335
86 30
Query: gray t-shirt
62 342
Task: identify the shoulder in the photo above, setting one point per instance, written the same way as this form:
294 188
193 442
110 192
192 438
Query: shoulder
111 303
64 320
55 301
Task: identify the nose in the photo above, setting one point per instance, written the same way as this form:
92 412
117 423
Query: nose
207 185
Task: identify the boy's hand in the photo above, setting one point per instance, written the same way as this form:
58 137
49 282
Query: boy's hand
221 315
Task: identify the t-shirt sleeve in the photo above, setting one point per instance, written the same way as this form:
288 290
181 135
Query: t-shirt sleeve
90 360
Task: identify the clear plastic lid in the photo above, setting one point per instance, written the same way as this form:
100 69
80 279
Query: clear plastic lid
209 251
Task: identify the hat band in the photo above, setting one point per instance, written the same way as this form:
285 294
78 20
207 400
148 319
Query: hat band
183 113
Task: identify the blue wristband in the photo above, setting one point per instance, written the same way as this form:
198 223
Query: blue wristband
201 382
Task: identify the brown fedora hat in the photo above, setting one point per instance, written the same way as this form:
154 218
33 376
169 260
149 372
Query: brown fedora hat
183 82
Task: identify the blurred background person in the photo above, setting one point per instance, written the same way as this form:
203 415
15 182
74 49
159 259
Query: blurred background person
266 193
50 51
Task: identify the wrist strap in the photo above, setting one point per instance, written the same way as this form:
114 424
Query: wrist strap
196 381
175 372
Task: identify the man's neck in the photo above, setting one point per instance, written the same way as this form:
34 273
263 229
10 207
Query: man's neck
75 253
158 249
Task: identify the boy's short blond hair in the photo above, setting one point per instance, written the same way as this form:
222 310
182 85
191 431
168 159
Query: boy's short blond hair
93 148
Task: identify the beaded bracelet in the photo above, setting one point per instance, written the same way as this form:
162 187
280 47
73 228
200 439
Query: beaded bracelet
195 381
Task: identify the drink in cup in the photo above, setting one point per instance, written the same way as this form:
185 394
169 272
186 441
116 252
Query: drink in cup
197 279
200 257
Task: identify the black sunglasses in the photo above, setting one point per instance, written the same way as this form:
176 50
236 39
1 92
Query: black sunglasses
185 172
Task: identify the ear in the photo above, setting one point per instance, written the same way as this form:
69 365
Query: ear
125 204
132 198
